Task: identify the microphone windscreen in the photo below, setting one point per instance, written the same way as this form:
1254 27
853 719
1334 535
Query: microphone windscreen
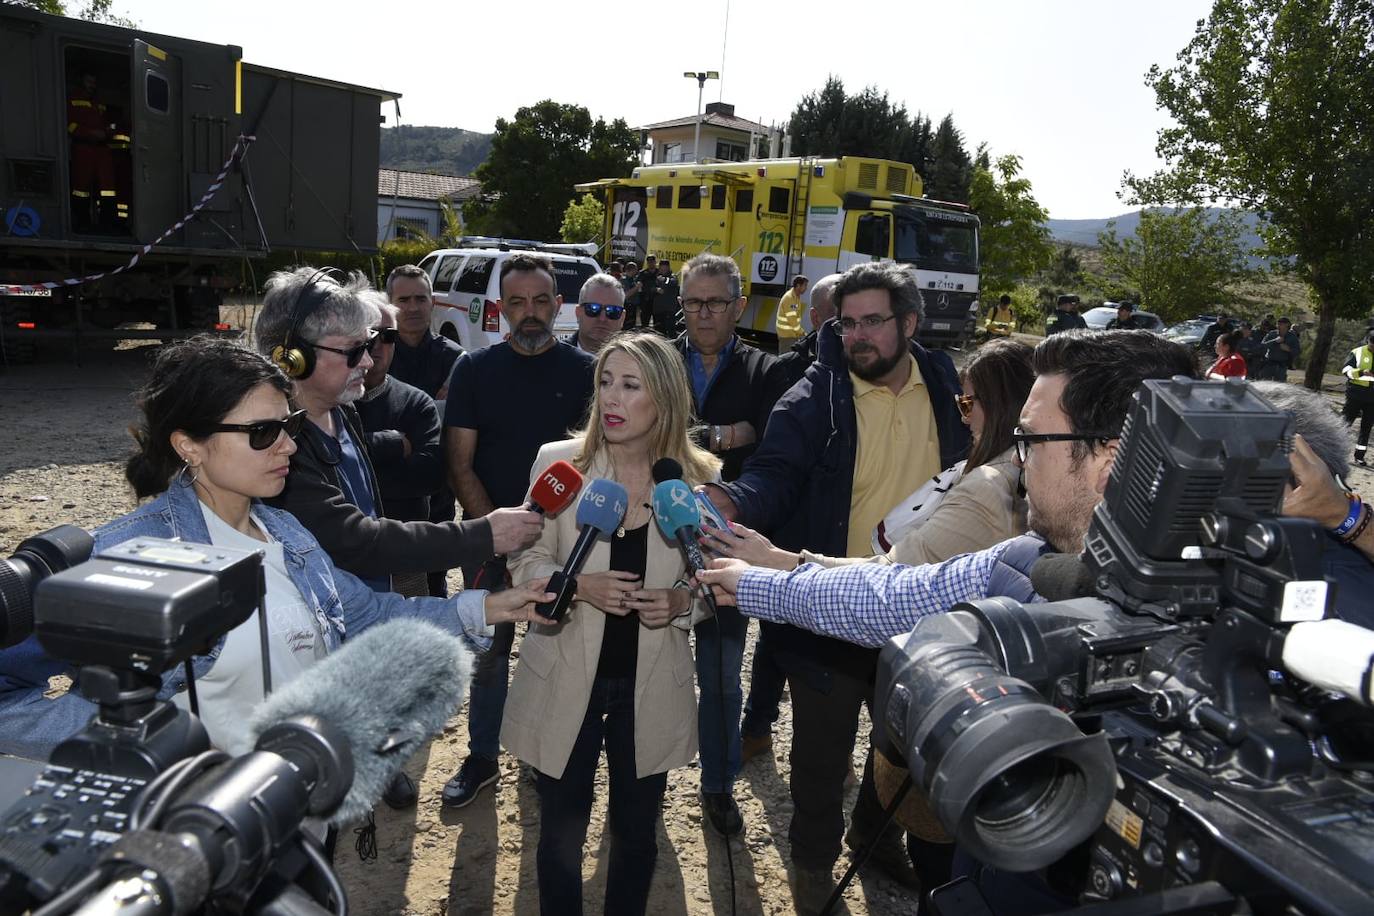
1061 576
666 469
603 505
554 490
388 690
675 508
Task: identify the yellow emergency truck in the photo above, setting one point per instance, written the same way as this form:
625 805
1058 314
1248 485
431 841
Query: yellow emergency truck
780 217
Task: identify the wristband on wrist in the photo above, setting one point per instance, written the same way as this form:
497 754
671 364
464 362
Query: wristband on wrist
715 438
1352 518
1354 534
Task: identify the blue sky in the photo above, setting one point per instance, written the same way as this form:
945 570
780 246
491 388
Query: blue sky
1059 82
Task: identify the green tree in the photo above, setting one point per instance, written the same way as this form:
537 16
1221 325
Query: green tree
1181 260
536 158
91 11
1014 241
1274 108
1064 275
951 170
584 220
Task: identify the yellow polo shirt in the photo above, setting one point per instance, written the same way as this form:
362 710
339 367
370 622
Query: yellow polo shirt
899 450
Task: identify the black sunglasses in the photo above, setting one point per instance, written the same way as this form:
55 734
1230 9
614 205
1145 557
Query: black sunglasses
594 308
386 336
263 434
354 355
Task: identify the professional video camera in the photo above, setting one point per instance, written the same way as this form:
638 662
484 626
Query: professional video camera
136 814
1194 736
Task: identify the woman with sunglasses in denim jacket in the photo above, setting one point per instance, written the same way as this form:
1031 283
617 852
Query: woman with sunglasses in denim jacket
216 439
967 507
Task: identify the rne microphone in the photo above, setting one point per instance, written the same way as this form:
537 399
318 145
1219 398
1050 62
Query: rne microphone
387 691
675 510
600 512
555 489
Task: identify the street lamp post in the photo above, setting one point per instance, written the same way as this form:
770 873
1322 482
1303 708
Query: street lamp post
701 77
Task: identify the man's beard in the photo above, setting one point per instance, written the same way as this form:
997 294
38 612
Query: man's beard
1067 526
352 391
532 334
876 369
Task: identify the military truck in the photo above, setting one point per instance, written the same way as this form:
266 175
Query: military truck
110 137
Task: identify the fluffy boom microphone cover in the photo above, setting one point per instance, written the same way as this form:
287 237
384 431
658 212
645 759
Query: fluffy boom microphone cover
388 691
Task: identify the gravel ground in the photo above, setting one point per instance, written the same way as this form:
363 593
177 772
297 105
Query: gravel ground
65 433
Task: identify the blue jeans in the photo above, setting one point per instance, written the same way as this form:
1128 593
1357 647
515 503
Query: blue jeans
487 695
565 808
720 655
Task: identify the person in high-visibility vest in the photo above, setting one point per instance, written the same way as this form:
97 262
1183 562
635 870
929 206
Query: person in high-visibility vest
789 324
120 141
92 164
1359 393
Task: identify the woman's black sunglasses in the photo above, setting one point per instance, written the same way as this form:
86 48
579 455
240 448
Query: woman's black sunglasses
263 434
354 355
594 308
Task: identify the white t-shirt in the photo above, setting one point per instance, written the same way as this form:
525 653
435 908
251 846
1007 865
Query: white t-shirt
295 641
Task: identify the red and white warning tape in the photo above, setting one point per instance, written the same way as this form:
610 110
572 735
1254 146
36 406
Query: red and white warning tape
240 147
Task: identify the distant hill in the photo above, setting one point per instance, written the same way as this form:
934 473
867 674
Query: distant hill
1084 231
440 150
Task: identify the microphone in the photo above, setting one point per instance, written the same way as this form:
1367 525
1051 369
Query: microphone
1061 576
554 490
387 692
675 510
600 512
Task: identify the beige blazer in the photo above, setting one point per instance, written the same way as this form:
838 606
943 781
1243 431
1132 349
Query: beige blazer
553 679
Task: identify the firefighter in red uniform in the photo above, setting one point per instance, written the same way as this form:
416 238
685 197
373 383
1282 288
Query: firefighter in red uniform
121 157
92 164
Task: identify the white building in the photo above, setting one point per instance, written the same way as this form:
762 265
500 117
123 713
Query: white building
408 202
723 136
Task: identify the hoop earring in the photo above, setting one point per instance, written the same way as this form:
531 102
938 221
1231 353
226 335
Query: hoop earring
181 474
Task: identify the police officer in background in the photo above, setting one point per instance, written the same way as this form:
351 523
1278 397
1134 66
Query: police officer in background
1065 316
1125 319
1359 393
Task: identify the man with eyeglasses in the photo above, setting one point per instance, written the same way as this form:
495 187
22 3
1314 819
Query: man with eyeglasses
734 387
871 420
600 313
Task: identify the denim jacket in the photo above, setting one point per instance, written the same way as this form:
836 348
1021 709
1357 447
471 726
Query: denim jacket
31 725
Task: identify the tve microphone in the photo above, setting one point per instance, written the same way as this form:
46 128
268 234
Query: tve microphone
555 489
675 510
388 691
600 512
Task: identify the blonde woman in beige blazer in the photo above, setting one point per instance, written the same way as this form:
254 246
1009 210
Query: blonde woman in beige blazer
617 671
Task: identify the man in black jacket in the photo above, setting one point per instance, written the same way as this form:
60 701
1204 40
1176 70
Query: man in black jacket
734 387
874 415
1065 316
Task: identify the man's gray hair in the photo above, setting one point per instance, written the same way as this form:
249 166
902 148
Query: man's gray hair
1316 420
338 308
378 305
407 272
899 281
825 289
713 265
601 281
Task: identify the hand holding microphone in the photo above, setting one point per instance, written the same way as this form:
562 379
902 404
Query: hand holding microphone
599 513
518 527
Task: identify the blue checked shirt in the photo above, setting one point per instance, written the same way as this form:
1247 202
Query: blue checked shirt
865 603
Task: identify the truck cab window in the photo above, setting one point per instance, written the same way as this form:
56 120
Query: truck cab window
157 94
873 235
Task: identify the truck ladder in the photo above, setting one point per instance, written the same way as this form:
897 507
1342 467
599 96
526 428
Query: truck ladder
796 251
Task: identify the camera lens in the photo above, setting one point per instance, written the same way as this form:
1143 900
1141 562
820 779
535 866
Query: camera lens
37 558
1013 778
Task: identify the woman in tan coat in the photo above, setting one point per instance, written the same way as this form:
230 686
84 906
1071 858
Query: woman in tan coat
617 671
969 507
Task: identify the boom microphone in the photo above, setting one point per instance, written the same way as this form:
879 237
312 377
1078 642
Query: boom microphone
555 489
387 692
599 513
1061 576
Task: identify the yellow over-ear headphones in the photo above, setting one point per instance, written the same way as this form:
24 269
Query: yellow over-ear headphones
293 356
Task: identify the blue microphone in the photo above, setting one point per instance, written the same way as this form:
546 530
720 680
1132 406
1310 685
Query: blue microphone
675 510
600 512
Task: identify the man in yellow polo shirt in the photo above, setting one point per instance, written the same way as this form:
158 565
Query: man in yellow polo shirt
789 324
873 417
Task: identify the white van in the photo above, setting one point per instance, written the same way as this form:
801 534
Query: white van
467 285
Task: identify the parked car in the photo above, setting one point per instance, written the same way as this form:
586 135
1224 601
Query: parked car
1191 330
1098 318
467 286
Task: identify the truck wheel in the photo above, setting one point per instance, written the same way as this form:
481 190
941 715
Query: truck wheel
198 308
18 345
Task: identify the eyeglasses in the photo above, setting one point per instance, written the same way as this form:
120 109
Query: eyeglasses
593 309
714 306
868 322
1023 441
965 402
353 355
386 336
263 434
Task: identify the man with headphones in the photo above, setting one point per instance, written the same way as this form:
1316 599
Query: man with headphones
317 327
